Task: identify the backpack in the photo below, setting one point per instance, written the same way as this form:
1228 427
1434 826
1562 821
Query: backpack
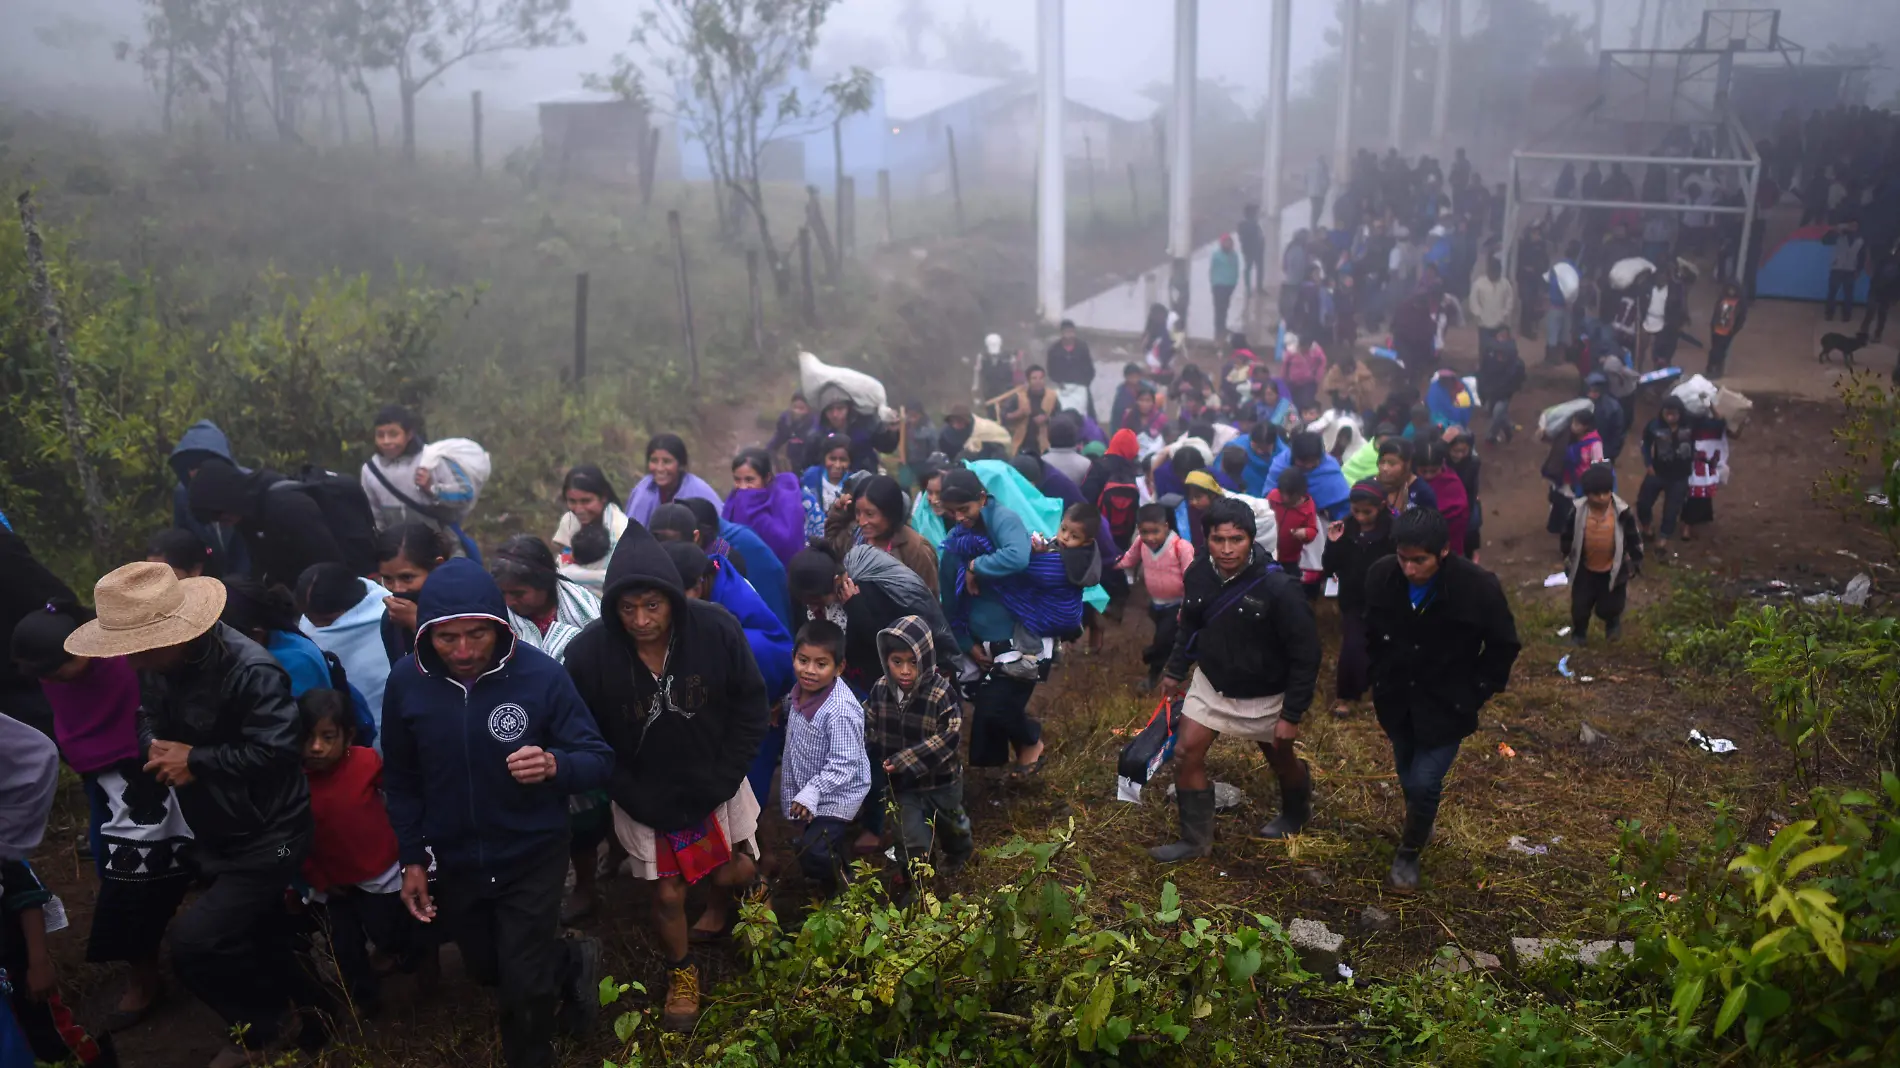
1117 503
345 510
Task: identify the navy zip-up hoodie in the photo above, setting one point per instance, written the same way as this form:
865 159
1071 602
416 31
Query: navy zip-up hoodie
446 746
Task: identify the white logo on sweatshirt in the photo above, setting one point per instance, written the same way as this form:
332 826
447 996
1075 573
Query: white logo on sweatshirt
508 723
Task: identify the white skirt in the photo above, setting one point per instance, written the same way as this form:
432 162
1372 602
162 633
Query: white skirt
1252 718
739 818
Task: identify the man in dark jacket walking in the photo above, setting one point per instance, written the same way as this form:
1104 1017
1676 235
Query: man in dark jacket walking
1441 641
1248 635
283 528
217 724
677 693
1071 364
484 740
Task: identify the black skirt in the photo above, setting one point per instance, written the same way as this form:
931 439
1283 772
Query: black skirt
1697 510
130 917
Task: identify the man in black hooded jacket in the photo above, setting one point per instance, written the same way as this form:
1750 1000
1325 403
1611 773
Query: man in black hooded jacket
283 528
678 695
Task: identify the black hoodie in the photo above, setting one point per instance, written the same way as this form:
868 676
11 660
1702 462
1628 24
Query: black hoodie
684 742
283 528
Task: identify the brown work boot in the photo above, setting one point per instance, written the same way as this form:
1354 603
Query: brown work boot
682 999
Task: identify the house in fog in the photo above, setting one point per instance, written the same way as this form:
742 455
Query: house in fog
595 137
913 115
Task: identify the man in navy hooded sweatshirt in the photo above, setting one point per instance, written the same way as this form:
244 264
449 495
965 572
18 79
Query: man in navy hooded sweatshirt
484 740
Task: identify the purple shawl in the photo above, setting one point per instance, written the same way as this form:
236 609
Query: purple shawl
645 498
776 513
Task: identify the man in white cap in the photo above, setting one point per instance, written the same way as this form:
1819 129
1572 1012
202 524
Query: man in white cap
217 724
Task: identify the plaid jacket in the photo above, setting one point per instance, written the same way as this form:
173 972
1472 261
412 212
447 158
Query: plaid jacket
919 733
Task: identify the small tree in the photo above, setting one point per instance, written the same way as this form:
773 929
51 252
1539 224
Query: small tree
422 39
728 69
971 46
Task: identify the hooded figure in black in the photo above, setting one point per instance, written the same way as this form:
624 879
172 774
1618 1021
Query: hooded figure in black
283 528
674 687
203 442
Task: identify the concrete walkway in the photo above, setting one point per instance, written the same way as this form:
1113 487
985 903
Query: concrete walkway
1123 309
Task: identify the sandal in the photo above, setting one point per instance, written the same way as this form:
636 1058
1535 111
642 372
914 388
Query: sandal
1341 710
1024 771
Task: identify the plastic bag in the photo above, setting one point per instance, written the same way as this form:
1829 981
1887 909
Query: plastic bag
1151 747
1733 408
824 384
1696 394
1557 416
458 469
1566 280
1624 274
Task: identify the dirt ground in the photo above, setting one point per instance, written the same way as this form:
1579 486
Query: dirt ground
1552 791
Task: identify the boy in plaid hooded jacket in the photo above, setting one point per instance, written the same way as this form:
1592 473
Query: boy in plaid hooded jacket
913 725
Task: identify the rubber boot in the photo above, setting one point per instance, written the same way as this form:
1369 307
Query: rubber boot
1403 879
1296 807
1197 827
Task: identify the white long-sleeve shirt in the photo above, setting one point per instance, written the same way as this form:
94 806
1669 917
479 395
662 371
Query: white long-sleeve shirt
825 768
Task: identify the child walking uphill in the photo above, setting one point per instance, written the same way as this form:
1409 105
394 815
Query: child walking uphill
1299 548
1163 557
352 864
914 726
825 774
1352 544
1602 550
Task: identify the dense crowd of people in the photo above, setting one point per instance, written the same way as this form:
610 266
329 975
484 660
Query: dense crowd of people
320 705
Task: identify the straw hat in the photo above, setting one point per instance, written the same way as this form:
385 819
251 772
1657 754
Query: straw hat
145 606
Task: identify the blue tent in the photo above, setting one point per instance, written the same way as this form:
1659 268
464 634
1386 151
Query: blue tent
1797 268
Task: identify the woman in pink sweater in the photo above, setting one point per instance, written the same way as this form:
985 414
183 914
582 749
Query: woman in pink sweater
1303 368
1163 557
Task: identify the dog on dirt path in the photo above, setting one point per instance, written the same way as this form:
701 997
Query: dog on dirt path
1845 344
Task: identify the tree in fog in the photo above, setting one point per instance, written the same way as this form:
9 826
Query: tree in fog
970 46
420 40
725 70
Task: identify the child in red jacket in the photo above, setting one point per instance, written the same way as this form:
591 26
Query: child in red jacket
352 864
1299 548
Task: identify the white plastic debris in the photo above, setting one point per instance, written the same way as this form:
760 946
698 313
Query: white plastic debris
1713 745
1556 579
1858 588
1518 844
1563 632
1563 668
1344 971
1821 599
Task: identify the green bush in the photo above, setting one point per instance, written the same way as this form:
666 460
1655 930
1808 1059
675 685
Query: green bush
1028 973
1829 676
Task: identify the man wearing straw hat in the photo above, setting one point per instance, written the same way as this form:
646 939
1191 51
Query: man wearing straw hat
217 725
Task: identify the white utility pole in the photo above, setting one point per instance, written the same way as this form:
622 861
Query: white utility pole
1441 92
1348 77
1181 143
1052 215
1277 81
1401 68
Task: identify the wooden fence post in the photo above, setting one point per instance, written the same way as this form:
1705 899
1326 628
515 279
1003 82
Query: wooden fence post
756 301
956 180
884 203
804 269
68 384
848 217
685 294
649 166
815 219
475 116
580 327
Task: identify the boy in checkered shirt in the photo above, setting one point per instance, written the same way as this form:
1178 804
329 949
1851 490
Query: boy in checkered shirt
913 725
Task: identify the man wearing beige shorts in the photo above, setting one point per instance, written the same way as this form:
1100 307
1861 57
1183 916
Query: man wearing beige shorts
1248 635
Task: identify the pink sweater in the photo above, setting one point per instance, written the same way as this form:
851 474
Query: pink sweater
1306 365
1162 572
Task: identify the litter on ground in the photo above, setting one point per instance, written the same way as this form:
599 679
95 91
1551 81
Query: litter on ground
1713 745
1517 844
1556 579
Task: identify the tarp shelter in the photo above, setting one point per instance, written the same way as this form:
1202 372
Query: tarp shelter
1797 268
